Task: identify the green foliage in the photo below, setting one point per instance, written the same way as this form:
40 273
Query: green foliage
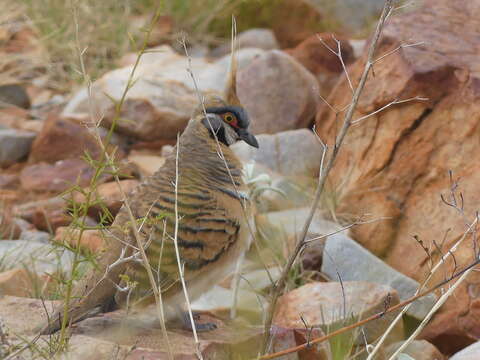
342 345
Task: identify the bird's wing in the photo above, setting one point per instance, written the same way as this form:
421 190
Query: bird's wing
206 229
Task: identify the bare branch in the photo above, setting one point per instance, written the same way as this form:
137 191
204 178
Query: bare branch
394 102
401 46
338 54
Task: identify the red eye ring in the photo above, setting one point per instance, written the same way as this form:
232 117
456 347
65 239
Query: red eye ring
230 118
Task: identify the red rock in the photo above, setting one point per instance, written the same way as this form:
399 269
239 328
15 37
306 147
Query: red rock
46 215
62 175
398 160
286 338
62 139
320 61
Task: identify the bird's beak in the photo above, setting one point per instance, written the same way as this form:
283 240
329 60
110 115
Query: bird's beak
248 138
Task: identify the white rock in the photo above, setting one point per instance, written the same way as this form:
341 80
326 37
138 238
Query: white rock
289 153
163 95
37 257
471 352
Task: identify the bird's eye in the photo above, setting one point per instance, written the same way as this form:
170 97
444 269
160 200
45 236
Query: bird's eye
230 119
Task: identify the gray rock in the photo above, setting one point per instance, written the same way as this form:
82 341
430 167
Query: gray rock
35 256
14 145
418 350
278 93
14 94
35 236
471 352
291 222
252 38
215 76
355 263
289 153
279 231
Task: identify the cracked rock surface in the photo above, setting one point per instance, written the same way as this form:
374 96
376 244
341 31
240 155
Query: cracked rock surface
396 163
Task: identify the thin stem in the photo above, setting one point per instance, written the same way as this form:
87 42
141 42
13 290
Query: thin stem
280 286
179 262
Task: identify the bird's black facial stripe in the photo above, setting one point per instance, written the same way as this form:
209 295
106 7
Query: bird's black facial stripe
216 126
238 111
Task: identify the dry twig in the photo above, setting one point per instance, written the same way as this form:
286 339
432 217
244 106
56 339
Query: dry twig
279 287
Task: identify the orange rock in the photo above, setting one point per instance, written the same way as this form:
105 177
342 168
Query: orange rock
109 195
91 240
332 304
146 163
16 282
396 162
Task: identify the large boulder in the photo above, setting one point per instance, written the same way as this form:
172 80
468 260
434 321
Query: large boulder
278 93
396 162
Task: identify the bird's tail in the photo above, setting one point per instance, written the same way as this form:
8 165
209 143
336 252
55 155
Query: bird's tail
95 292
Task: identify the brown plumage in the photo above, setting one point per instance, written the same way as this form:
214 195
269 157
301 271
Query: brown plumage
213 211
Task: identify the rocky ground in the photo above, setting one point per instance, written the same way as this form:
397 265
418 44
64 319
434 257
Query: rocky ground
409 165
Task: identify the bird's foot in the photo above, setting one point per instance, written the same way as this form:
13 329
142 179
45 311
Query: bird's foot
199 326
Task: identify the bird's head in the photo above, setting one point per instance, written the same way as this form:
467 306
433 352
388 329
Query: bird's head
229 123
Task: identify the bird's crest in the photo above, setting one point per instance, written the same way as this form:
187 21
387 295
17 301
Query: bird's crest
230 94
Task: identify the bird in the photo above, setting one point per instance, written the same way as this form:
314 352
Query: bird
202 180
